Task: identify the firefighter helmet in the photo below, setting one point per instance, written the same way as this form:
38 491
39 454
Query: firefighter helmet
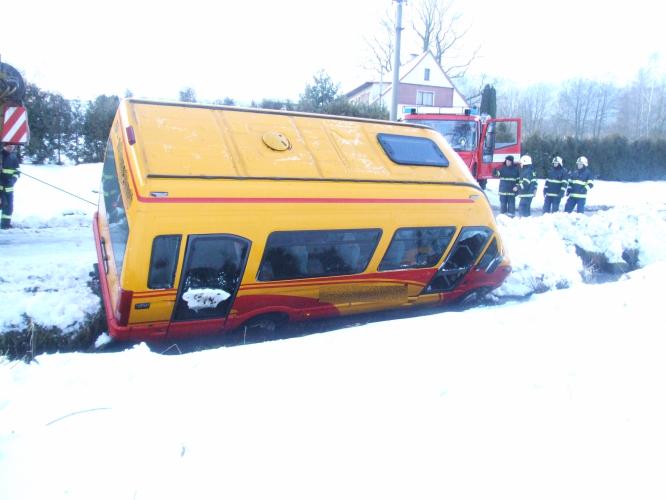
581 161
526 160
558 161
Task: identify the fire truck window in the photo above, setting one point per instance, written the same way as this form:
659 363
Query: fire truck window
410 150
309 254
466 250
163 261
506 134
416 247
462 135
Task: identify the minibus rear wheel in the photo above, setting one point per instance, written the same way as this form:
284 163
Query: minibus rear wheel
265 323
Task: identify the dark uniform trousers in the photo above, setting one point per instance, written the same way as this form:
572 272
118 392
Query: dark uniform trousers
580 183
8 177
527 183
551 204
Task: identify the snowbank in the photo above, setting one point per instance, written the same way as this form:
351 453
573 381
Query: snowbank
43 277
565 403
543 249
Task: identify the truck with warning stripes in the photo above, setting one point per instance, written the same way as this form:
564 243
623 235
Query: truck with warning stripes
14 127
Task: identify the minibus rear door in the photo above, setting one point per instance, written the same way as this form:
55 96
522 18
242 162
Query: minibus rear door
212 272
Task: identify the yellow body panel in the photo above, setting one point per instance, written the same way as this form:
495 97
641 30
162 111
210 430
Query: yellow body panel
249 189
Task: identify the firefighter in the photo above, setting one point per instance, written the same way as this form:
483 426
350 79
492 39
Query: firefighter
508 176
8 176
580 180
555 187
527 185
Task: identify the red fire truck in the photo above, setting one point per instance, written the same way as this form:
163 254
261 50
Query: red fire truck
482 142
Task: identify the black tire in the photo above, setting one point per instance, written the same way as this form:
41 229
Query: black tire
483 183
472 297
265 324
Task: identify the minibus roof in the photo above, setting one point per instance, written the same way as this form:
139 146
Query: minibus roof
175 140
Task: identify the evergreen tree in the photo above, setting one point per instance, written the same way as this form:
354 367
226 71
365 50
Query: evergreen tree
61 125
35 101
188 95
276 104
489 101
341 106
318 94
52 126
96 126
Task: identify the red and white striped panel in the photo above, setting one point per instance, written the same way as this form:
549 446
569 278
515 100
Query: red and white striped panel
15 125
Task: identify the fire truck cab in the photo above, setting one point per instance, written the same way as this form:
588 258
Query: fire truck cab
481 142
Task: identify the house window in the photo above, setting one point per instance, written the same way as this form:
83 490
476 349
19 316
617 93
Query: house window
426 75
425 98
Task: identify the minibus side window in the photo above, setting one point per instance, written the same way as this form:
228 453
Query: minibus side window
491 259
115 208
466 250
309 254
416 247
163 261
411 150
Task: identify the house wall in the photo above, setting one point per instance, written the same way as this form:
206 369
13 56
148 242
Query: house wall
443 96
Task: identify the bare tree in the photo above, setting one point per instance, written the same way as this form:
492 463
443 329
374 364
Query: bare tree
533 107
381 46
438 26
575 105
508 100
603 106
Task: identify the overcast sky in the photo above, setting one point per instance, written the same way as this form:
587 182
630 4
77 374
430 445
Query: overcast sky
253 49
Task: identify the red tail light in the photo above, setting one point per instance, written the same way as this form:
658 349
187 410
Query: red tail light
131 138
124 307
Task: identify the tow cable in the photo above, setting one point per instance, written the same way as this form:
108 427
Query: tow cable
59 189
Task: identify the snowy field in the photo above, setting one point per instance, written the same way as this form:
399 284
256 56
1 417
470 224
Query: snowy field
560 395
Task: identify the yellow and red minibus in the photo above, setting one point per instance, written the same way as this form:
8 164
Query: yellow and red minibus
212 218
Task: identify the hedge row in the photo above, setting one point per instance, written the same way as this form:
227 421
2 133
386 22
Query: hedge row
613 158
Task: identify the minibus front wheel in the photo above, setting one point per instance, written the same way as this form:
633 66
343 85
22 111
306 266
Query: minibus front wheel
473 297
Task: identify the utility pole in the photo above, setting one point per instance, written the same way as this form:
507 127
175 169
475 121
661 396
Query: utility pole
396 61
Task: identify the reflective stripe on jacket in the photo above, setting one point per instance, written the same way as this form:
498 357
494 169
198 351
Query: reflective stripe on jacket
580 180
527 182
556 182
508 176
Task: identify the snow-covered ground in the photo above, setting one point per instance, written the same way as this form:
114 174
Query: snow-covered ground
46 259
557 396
